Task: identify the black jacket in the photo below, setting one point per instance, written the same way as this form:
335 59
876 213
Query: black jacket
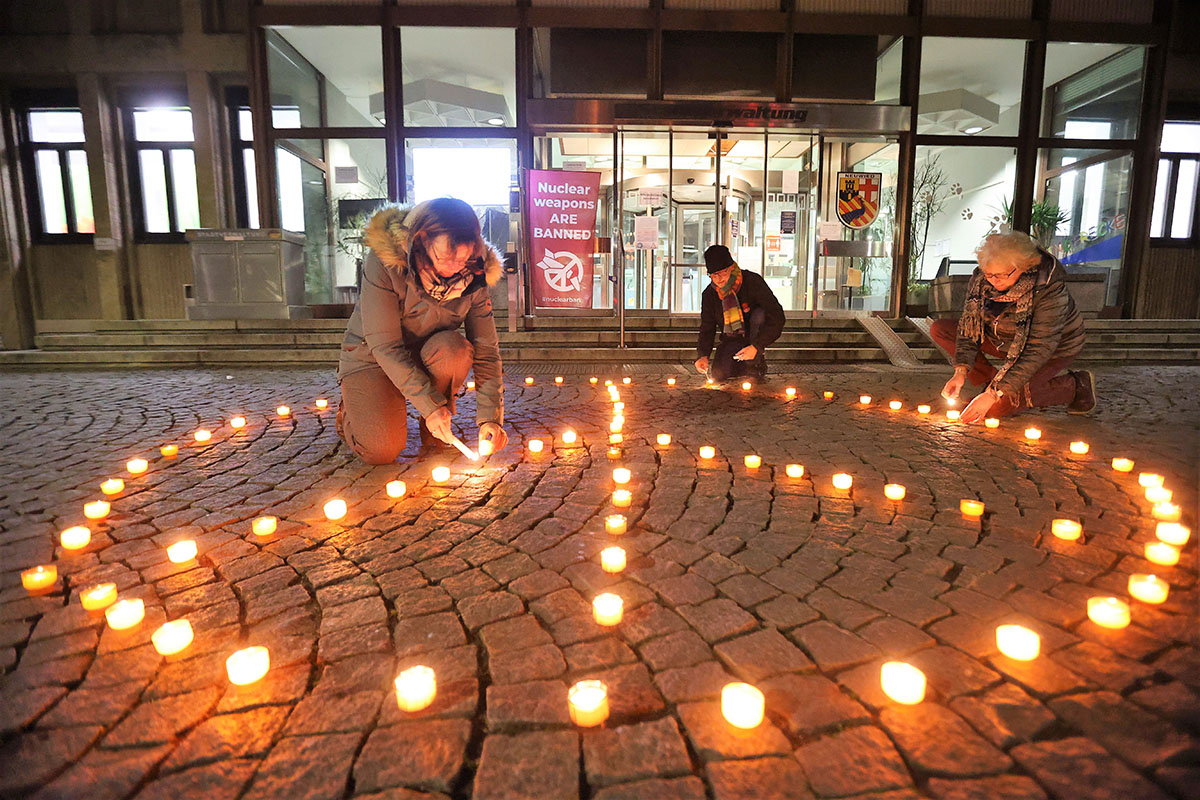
754 294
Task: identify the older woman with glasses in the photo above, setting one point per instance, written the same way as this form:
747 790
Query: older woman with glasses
427 275
1018 310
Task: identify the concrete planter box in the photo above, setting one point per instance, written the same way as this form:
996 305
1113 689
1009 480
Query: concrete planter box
947 294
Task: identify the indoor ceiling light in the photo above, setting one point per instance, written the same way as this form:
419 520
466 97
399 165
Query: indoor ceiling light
973 130
496 121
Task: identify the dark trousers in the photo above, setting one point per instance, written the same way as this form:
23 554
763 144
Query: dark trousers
1046 388
723 367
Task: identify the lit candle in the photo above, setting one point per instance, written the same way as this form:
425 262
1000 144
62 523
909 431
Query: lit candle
794 470
440 474
593 380
608 383
902 682
587 702
75 538
202 435
752 461
485 447
618 407
248 665
322 402
991 422
416 687
1018 642
182 552
1150 479
124 614
113 486
237 422
747 386
663 439
864 399
1162 553
1148 588
708 451
97 509
971 508
622 498
953 414
40 577
283 411
615 438
169 450
842 481
1166 512
827 395
396 488
1172 533
626 380
1080 448
894 491
470 386
614 453
137 466
670 381
790 391
1122 464
536 445
570 437
264 526
895 405
558 379
335 509
614 393
1033 433
615 524
607 609
924 408
171 637
742 705
617 423
621 475
1158 494
102 595
529 380
1108 612
612 559
1067 529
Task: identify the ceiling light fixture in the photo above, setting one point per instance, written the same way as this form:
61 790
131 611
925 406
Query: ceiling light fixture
496 121
974 129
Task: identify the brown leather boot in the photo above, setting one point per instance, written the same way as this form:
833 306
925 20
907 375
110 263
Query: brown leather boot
1085 393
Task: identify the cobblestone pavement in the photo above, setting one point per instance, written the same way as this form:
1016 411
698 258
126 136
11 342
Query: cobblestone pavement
733 574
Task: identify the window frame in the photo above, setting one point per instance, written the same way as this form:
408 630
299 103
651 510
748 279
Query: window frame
1174 159
237 98
133 149
48 100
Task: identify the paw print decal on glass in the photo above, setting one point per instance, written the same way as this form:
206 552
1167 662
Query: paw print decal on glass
967 213
956 189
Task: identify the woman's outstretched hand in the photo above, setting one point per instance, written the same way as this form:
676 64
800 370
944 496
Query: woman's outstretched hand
978 408
438 423
492 433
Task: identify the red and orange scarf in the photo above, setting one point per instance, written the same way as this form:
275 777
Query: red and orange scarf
731 307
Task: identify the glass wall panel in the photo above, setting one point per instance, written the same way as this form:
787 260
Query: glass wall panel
647 194
887 70
325 76
1093 91
459 77
711 65
970 86
790 222
54 204
743 160
1084 197
565 59
81 191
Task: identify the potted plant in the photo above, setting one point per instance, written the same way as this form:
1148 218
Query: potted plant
1044 220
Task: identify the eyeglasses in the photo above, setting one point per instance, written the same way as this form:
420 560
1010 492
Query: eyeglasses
1002 276
448 259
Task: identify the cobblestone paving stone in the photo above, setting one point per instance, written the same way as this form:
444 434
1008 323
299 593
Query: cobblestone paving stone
733 574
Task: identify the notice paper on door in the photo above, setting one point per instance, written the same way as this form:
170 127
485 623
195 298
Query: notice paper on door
791 181
645 233
831 230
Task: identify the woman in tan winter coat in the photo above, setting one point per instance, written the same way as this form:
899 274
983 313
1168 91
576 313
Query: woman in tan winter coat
428 273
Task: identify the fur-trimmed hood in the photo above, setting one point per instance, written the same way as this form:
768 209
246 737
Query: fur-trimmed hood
387 235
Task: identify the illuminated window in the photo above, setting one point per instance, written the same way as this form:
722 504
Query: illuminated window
164 164
1175 189
58 174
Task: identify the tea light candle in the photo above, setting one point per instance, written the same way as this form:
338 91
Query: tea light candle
558 379
794 470
169 450
1166 512
470 386
416 687
752 461
1033 433
593 380
621 475
1172 533
485 447
953 414
663 439
322 402
626 380
864 399
1148 588
113 486
612 559
440 474
75 537
1108 612
827 395
607 609
39 578
614 453
264 526
614 394
1122 464
587 703
237 422
124 614
971 508
894 491
97 509
182 552
203 435
335 509
396 488
895 405
842 480
742 705
617 423
1080 448
991 422
708 452
529 381
1146 479
136 466
1162 553
283 411
102 595
1158 494
618 406
902 682
622 498
536 445
608 383
1018 642
924 408
615 524
171 637
747 386
570 437
790 391
615 438
1067 529
670 381
248 665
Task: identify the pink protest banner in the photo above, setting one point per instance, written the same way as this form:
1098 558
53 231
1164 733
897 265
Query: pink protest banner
562 221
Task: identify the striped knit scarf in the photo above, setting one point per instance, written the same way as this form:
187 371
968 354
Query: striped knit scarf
973 324
731 307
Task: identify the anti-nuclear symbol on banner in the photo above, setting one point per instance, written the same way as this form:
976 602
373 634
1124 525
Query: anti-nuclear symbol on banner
564 270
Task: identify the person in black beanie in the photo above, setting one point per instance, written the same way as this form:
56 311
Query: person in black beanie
740 306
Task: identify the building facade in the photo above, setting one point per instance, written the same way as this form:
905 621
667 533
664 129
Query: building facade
851 151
